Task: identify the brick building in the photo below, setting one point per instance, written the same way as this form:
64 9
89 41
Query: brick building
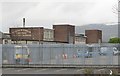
26 33
29 35
59 34
93 36
64 33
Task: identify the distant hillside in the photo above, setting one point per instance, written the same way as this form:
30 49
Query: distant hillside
107 30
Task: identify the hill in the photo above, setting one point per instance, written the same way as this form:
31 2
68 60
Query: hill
108 31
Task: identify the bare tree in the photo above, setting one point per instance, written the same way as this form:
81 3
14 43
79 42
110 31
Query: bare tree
116 8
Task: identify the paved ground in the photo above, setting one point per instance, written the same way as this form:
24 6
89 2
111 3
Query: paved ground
54 71
41 71
58 71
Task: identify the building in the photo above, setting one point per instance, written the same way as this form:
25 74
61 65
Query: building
80 39
31 35
48 35
64 33
1 41
26 34
93 36
4 38
39 35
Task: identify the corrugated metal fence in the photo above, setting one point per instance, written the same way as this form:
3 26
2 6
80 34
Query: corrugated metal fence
59 54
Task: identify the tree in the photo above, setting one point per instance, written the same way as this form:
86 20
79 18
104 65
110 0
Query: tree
114 40
116 9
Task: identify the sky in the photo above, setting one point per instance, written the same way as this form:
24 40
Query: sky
45 13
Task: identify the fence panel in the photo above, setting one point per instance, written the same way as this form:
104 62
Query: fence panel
60 54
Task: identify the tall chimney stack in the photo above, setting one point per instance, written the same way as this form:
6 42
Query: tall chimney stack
23 22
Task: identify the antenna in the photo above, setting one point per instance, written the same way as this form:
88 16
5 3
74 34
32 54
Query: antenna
23 22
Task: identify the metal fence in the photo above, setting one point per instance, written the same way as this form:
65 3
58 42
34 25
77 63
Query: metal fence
60 54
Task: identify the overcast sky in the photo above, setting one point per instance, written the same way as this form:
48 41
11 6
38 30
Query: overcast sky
46 13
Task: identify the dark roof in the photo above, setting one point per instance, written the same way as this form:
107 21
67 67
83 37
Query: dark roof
93 30
80 35
56 41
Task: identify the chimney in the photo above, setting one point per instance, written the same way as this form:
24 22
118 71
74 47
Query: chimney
23 22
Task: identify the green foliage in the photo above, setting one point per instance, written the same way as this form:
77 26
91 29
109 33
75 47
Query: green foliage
114 40
88 71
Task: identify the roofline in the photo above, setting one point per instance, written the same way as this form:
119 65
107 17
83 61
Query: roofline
24 27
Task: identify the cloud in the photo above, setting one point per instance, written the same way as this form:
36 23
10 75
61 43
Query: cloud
48 12
50 0
102 13
57 12
11 11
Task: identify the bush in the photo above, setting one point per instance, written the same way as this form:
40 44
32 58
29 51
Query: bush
114 40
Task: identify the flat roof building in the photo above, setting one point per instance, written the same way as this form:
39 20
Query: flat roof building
32 35
93 36
48 35
4 38
1 41
80 39
26 33
64 33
